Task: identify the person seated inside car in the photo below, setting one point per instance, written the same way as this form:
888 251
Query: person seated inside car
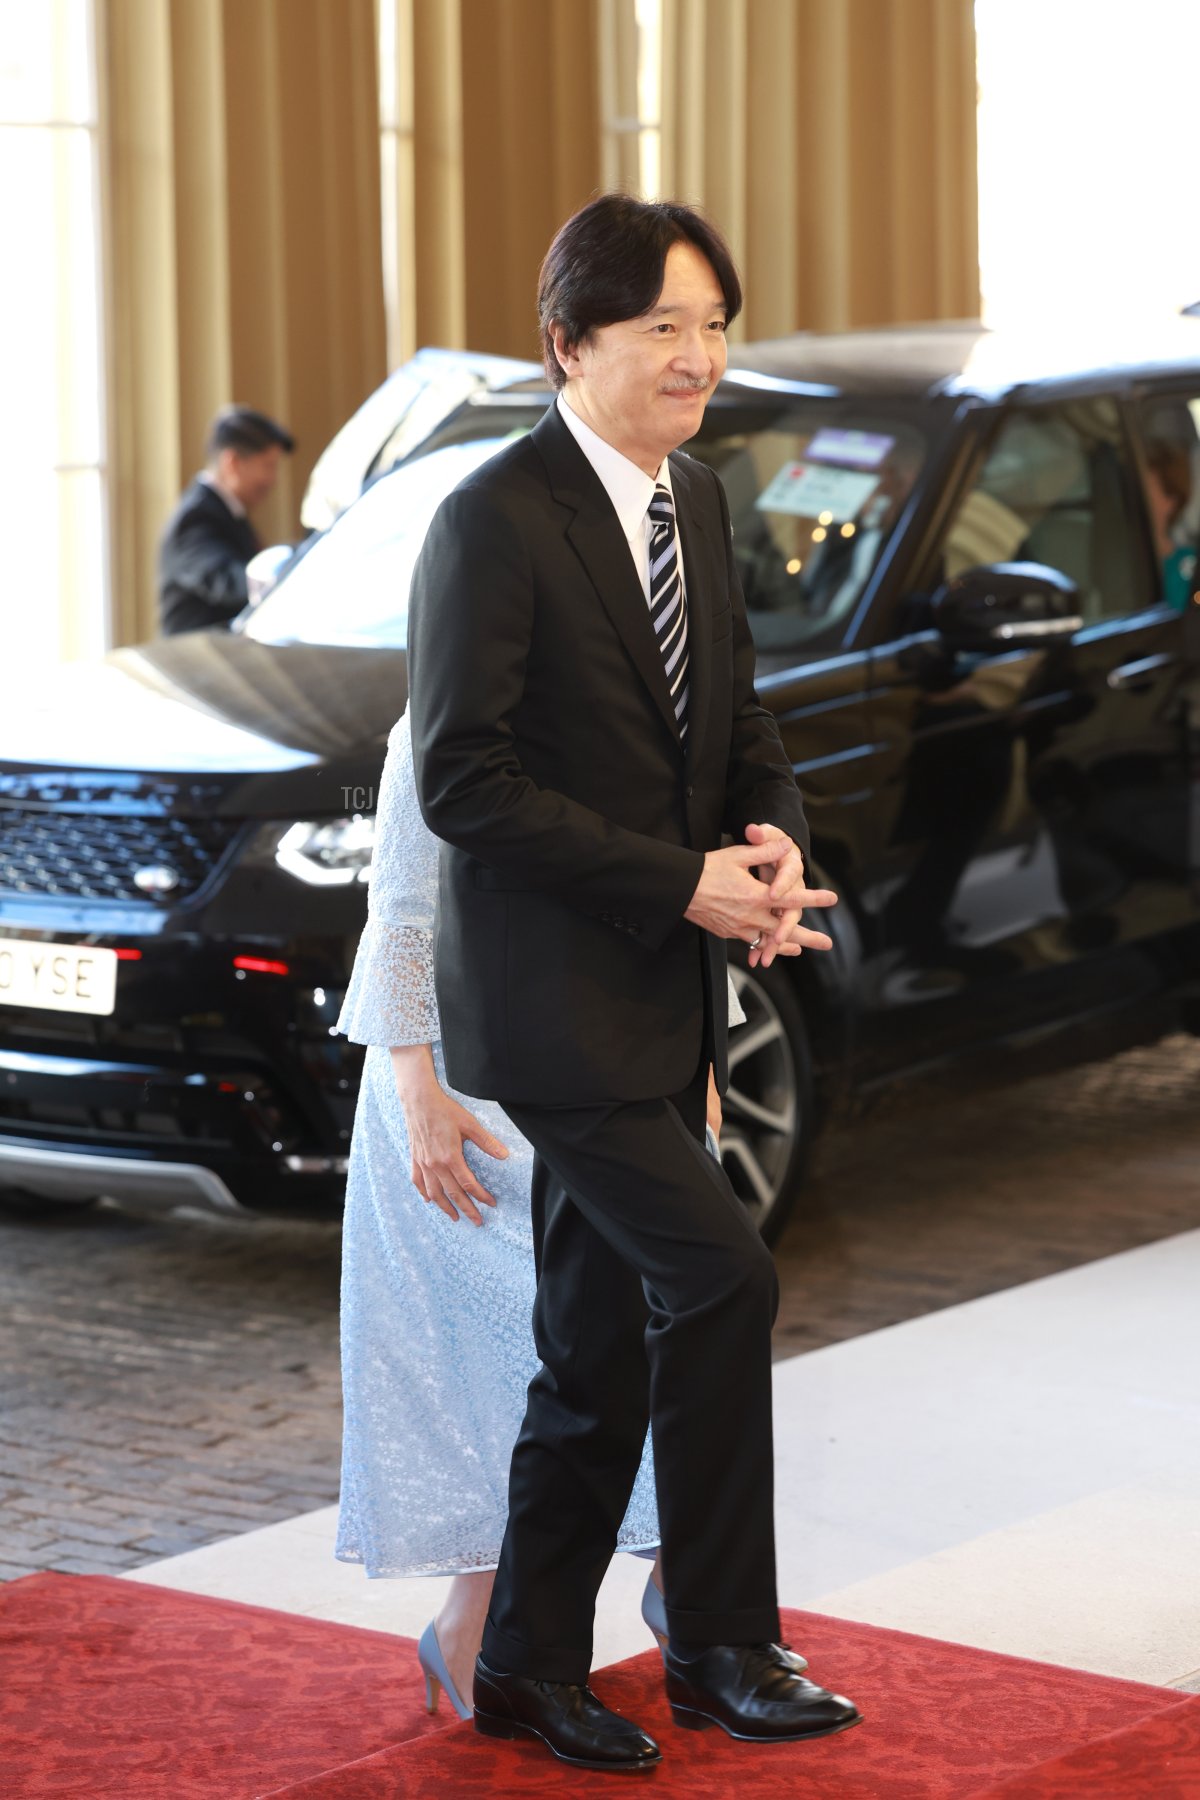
1173 501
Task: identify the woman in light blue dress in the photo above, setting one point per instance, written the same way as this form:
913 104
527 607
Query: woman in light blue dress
437 1344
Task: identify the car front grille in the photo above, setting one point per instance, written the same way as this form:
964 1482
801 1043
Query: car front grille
95 856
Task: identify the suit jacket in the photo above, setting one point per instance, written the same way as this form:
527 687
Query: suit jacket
202 559
573 822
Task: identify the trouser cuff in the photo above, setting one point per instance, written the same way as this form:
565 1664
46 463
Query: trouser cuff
751 1625
537 1662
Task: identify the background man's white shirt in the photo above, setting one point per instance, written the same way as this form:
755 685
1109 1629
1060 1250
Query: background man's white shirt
231 500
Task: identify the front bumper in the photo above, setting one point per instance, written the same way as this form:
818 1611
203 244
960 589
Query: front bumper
58 1175
208 1085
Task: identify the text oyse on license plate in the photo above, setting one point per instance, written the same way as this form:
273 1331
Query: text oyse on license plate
61 977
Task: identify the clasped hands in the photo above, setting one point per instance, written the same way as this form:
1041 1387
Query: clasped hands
763 909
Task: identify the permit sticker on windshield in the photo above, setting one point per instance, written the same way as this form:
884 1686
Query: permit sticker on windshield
810 489
853 449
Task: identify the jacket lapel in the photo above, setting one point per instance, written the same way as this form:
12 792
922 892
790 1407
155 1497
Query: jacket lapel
596 535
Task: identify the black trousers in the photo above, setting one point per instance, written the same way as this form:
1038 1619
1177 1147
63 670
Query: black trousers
655 1300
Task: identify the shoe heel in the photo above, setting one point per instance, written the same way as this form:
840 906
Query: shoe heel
495 1728
437 1675
654 1613
688 1720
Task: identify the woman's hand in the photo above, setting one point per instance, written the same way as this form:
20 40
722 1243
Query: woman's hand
712 1106
438 1126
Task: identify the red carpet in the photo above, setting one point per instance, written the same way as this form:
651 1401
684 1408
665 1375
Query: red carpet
115 1690
941 1722
1156 1759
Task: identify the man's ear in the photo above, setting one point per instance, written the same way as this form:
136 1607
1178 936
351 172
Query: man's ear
567 354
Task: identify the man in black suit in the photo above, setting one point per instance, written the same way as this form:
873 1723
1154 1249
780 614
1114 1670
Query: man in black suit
585 728
209 539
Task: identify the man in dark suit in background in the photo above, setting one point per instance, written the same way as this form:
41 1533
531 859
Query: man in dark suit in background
585 728
209 539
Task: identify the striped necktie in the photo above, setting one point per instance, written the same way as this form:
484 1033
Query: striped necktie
668 611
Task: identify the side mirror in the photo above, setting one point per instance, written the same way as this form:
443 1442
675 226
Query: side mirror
263 571
1007 606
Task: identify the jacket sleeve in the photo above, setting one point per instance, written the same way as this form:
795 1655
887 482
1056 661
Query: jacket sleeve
205 566
760 787
470 627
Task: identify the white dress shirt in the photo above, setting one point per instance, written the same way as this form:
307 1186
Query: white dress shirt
629 488
231 500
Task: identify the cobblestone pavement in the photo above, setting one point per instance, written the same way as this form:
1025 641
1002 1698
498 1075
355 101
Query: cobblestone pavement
165 1381
168 1382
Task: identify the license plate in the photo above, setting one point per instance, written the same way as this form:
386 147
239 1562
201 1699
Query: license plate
58 977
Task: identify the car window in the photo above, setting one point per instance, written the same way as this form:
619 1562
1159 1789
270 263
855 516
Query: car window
1170 426
815 489
1057 487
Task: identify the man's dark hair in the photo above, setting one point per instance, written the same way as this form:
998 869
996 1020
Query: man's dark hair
606 264
242 429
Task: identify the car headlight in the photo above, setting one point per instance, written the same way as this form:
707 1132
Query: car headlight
329 854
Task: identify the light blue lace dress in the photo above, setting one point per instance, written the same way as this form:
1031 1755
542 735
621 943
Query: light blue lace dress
437 1349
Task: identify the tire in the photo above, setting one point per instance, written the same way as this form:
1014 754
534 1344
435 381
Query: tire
768 1124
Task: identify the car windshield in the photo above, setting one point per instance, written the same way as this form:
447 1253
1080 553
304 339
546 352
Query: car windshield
816 487
351 584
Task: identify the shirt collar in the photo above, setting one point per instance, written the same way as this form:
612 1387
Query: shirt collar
231 500
629 488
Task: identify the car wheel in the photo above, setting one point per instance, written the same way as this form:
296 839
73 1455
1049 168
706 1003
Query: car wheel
767 1122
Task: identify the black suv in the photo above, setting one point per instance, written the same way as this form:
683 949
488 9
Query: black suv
970 570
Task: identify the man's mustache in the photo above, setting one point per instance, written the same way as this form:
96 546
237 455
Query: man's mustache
695 384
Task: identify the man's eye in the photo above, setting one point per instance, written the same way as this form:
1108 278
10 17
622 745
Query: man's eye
717 324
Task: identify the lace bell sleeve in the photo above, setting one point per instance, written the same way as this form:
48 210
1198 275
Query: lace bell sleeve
390 999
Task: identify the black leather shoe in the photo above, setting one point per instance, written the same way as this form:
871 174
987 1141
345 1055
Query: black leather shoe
752 1691
569 1720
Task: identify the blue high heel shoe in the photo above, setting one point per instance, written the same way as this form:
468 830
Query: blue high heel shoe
654 1612
437 1675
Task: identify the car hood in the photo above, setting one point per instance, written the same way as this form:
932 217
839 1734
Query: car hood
208 704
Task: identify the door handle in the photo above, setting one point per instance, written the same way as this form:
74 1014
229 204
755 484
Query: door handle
1134 677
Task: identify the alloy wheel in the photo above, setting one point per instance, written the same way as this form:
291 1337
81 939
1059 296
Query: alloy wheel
762 1124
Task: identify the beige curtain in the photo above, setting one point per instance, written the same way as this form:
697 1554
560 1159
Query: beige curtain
242 197
493 135
253 256
834 140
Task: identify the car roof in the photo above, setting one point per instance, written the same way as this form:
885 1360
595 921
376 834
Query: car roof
963 357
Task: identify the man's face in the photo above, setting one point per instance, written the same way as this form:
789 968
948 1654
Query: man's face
251 477
643 384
